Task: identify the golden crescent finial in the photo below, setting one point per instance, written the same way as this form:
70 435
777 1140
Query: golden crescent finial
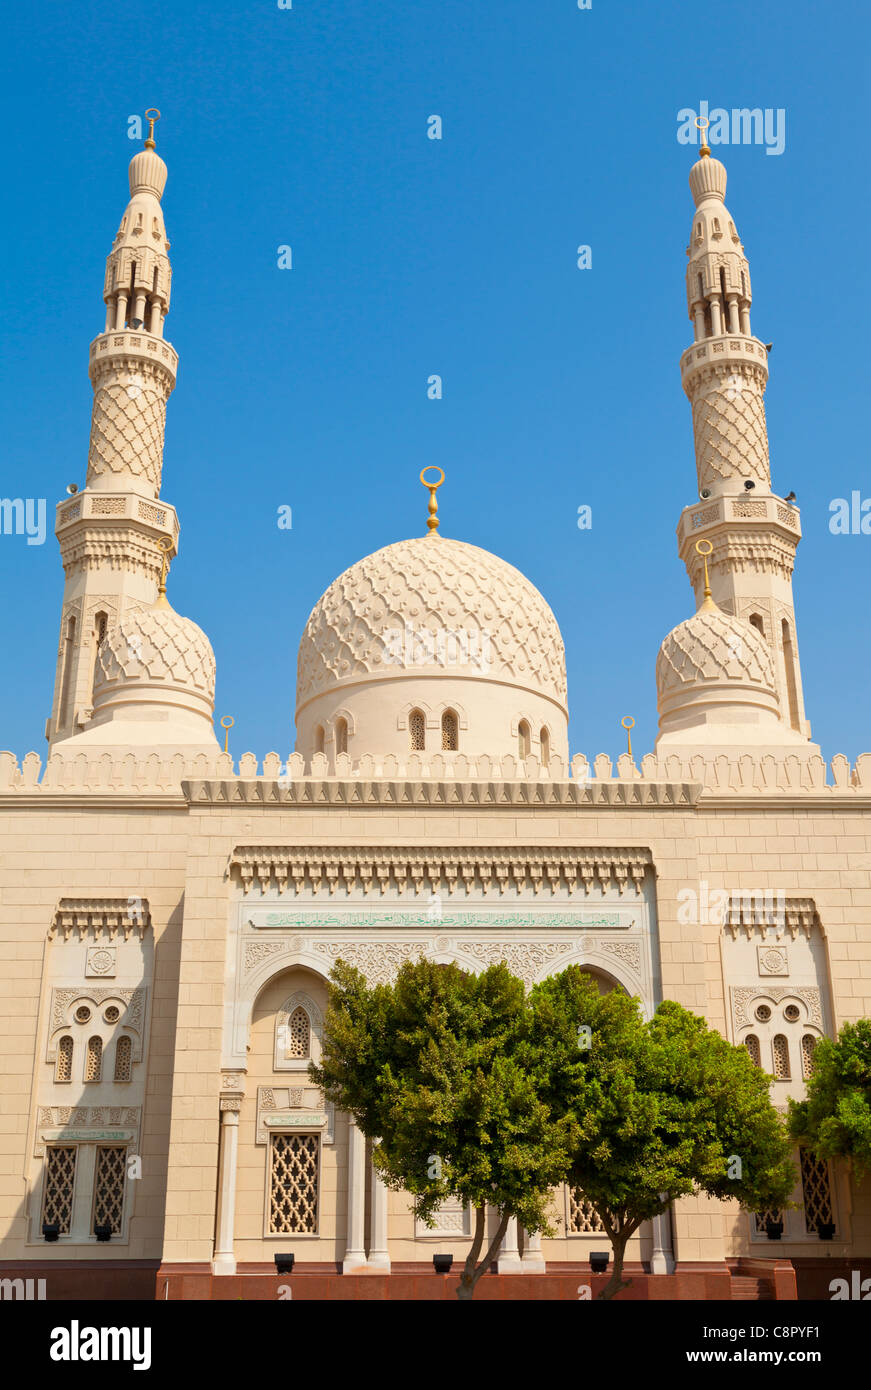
227 722
707 602
164 545
432 506
151 115
702 123
628 723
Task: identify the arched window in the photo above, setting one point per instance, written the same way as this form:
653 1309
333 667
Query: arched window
523 739
94 1060
124 1058
780 1054
751 1042
756 621
63 1070
450 733
101 622
65 713
417 731
299 1034
341 735
319 739
789 667
808 1046
544 740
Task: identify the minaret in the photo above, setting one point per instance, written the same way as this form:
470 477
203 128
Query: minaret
110 533
724 374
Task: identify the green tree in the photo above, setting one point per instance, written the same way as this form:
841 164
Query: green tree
662 1109
835 1119
439 1067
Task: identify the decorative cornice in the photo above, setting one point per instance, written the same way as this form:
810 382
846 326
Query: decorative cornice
101 917
312 791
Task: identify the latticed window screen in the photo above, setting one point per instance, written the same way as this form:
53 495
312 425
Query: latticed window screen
109 1188
64 1066
780 1053
583 1218
762 1219
417 730
751 1042
123 1058
293 1184
816 1190
60 1175
450 737
808 1044
94 1059
299 1034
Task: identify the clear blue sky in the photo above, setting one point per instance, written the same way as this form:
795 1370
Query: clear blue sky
410 257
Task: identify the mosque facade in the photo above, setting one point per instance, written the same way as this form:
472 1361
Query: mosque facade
170 916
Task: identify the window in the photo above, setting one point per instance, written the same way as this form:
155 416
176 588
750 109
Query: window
111 1170
780 1054
63 1070
789 668
808 1045
450 733
341 735
417 731
583 1218
319 739
544 740
64 710
94 1059
124 1058
57 1197
293 1184
756 621
751 1042
299 1034
815 1190
762 1219
523 739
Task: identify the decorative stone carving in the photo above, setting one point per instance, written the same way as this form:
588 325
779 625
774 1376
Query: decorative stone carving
101 917
742 995
100 961
133 1017
772 960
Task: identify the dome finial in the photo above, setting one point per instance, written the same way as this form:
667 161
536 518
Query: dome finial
702 122
152 115
433 507
165 546
707 605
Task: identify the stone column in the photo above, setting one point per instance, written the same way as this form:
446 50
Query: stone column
662 1254
224 1260
532 1259
355 1253
379 1256
120 311
508 1259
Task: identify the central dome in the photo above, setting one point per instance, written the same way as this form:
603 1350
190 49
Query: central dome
430 625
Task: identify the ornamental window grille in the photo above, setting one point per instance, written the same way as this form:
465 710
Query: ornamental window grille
450 732
124 1058
583 1217
816 1191
341 735
523 739
808 1047
751 1042
63 1070
94 1059
762 1219
60 1176
293 1184
299 1034
780 1054
417 731
109 1177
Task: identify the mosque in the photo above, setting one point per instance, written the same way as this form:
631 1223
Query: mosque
171 917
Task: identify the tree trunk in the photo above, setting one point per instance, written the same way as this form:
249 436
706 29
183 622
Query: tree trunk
471 1271
617 1282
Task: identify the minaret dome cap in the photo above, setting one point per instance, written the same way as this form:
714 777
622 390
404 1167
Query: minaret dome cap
147 174
708 180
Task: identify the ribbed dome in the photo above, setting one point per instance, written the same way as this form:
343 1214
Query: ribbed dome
714 646
440 586
707 179
147 173
156 645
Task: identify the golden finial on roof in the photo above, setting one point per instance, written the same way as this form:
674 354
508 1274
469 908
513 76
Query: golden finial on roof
227 722
433 507
628 724
707 603
702 122
165 546
151 115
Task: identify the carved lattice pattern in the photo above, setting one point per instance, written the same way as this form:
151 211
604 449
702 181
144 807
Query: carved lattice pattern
123 1058
94 1059
109 1188
762 1219
450 736
583 1218
816 1190
293 1187
808 1046
751 1042
60 1174
299 1034
780 1053
417 730
64 1069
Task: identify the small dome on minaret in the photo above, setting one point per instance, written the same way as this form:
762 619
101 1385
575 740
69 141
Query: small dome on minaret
708 179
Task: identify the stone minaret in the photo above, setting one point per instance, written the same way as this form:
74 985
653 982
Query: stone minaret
109 533
754 532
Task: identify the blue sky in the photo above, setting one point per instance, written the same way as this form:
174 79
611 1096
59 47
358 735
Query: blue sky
308 387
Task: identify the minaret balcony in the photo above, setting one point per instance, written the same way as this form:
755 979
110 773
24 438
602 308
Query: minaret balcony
726 350
92 509
135 346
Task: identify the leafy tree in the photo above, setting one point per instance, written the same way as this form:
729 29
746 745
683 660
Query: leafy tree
662 1109
835 1120
439 1068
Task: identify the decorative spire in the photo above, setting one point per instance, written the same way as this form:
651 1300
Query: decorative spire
707 604
165 545
433 506
151 115
701 121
